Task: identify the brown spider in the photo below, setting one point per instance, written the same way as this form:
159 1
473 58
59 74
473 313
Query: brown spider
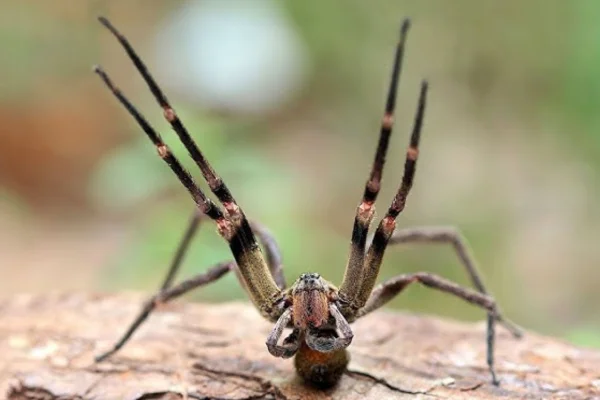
318 313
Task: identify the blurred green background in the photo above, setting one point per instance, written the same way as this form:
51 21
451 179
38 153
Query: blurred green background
285 99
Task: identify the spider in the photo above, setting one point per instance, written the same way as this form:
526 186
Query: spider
318 312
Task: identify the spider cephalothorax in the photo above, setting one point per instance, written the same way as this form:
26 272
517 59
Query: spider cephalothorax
310 296
317 312
312 309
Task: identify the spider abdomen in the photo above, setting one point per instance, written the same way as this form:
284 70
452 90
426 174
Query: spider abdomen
320 369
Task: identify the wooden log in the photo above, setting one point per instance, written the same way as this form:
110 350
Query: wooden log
217 351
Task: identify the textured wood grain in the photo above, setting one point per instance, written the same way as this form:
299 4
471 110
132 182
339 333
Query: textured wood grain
201 351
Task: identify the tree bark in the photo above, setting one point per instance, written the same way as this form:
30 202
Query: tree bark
206 351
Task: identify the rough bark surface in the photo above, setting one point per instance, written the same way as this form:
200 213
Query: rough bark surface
201 351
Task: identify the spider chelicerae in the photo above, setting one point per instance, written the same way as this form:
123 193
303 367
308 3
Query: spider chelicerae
318 312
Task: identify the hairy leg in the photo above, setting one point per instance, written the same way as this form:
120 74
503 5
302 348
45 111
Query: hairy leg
366 209
268 242
273 258
391 288
233 226
272 252
449 235
387 225
167 295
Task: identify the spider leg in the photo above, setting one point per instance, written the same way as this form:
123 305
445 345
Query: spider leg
190 232
391 288
204 204
273 256
387 225
165 296
270 245
449 235
291 344
365 211
272 252
329 343
235 228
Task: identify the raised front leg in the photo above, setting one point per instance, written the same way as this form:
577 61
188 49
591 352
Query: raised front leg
272 252
232 225
386 226
366 209
268 242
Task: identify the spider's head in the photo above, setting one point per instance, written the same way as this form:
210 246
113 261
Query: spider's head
310 301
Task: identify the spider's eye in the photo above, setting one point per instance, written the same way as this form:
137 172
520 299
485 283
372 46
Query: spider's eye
316 276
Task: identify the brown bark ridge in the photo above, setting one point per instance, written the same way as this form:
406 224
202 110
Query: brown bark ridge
217 351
